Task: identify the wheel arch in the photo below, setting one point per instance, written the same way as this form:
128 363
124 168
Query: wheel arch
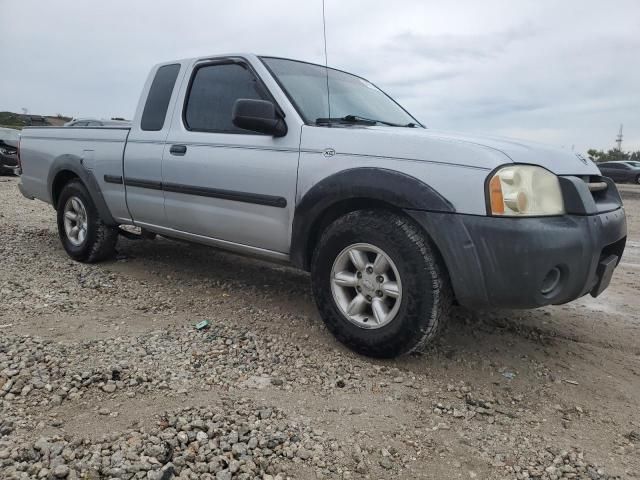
356 189
61 179
69 167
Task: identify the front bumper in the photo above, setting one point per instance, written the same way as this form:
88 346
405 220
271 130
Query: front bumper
505 262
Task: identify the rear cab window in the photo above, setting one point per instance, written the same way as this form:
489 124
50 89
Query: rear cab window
155 108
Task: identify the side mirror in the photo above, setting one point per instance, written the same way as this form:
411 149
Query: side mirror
258 116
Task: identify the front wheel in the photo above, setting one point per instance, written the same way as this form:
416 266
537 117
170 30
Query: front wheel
84 235
379 285
638 180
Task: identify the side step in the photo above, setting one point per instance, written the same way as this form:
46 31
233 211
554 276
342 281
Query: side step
143 235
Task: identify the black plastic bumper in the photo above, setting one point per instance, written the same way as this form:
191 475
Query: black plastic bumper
505 262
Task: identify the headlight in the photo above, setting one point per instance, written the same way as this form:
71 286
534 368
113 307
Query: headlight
524 190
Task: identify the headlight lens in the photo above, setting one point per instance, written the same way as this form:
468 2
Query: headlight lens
525 190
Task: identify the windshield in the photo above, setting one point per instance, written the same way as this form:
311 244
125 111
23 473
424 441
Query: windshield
306 85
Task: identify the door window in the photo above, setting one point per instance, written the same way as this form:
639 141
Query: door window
212 93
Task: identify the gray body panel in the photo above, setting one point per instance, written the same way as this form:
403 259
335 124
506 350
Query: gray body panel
456 170
263 170
98 151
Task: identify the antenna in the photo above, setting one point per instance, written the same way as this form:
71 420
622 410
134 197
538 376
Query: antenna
619 139
326 59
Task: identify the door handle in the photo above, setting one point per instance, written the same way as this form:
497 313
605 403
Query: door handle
178 149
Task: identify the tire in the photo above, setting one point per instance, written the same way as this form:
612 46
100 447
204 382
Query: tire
99 240
637 180
425 295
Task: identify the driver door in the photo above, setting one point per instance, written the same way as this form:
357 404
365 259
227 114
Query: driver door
222 182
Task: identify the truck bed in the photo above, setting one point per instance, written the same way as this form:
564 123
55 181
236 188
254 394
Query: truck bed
96 151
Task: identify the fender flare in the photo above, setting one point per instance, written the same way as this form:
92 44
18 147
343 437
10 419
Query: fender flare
73 164
366 183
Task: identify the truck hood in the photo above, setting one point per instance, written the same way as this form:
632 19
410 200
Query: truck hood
555 159
445 147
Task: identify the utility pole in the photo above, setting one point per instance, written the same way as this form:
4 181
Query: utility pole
619 139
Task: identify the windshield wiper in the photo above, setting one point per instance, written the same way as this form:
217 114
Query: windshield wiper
359 119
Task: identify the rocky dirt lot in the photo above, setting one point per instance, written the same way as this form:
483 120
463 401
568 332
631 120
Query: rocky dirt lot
103 375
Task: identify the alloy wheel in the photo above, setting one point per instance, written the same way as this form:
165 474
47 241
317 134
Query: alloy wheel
75 221
366 286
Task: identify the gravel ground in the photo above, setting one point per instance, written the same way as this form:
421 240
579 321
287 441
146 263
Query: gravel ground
103 375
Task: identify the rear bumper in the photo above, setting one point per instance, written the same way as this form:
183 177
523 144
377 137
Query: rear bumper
506 262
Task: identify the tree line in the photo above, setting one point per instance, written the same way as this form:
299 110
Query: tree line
612 155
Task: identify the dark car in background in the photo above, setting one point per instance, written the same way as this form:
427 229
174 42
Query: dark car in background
9 138
621 171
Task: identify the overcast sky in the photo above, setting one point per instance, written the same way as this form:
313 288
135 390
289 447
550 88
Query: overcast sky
561 72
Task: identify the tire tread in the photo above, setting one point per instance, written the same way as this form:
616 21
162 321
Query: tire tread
102 242
425 258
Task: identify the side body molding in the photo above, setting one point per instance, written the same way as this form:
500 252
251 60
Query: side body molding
358 184
73 163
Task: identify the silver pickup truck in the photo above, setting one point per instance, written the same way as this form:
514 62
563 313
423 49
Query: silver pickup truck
320 169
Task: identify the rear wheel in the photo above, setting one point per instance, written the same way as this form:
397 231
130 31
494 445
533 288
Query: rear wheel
84 235
638 179
379 285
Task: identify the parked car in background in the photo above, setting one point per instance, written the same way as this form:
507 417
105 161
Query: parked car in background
9 138
621 171
92 122
394 221
36 121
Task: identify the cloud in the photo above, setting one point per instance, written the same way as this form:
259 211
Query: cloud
452 48
561 72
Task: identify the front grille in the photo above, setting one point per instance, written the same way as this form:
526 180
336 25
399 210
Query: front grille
603 191
597 186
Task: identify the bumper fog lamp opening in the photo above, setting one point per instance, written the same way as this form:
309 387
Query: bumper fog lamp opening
551 281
